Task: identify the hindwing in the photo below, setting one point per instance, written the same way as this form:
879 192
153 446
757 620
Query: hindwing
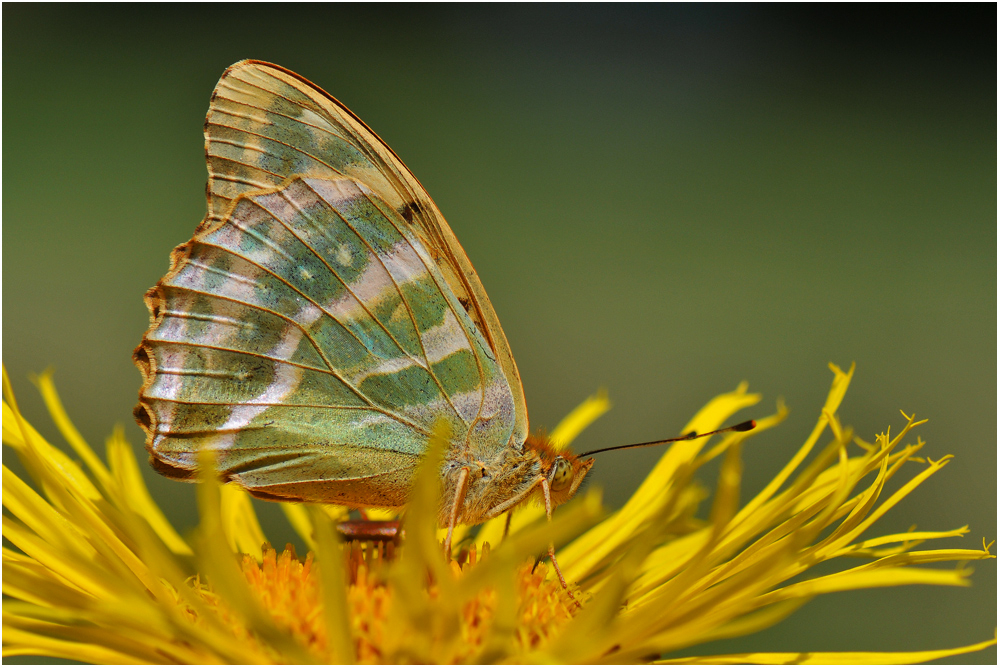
309 339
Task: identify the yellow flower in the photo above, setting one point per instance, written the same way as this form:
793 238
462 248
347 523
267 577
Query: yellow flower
99 575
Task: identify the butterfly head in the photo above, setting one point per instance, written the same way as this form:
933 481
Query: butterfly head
563 470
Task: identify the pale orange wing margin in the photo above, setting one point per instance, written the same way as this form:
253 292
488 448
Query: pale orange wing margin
266 124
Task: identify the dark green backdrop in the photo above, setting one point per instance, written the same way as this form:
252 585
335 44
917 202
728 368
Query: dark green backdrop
661 200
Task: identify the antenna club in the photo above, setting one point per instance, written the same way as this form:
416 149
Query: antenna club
745 426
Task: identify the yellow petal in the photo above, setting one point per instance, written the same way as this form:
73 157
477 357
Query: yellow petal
37 515
216 561
28 644
866 579
66 564
597 544
69 431
125 471
335 611
763 424
299 518
239 521
122 631
580 418
908 539
838 388
26 579
837 658
21 436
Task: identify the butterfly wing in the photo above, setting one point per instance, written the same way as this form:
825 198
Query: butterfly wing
307 338
266 124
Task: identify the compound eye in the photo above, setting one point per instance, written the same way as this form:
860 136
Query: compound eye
562 475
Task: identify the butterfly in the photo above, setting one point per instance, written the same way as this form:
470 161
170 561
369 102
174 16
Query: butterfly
323 318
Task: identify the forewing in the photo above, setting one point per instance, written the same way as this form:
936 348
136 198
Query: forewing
308 338
266 124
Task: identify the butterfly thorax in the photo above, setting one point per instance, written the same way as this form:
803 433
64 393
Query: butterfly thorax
511 477
495 483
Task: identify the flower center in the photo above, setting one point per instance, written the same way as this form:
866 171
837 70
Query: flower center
289 589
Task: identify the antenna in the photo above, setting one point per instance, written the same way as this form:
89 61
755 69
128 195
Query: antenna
690 436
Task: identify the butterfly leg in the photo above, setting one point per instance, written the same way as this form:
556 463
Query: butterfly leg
506 526
552 548
456 506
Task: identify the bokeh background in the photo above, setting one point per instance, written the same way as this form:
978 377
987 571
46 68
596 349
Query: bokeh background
660 200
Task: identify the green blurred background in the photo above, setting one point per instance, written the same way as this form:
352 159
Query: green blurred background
663 201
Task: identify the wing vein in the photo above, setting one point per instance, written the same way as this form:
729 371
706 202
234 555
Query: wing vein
333 369
402 298
365 147
305 333
224 158
250 353
269 403
272 112
289 319
276 141
236 179
333 271
468 335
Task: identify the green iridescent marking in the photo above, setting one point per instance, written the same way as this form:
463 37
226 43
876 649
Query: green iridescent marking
432 303
454 370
